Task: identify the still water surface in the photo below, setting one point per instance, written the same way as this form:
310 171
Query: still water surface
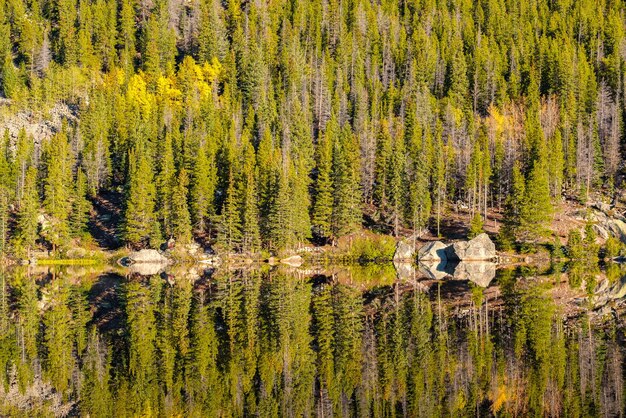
337 342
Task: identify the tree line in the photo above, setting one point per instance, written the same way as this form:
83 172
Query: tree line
266 124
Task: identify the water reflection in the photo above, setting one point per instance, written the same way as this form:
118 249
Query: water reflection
325 342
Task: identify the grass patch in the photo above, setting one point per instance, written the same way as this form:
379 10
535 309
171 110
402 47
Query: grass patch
68 262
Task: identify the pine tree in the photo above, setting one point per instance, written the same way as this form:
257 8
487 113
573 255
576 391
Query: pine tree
323 198
166 181
4 218
57 190
203 190
28 213
476 226
229 228
536 210
140 226
81 206
346 214
181 224
513 209
251 240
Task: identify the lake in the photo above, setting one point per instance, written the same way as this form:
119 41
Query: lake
328 341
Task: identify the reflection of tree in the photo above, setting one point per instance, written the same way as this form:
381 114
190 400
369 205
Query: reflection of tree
273 344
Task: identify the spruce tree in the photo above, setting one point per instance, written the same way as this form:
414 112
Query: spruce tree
166 182
140 226
181 223
203 190
323 198
28 213
229 228
57 190
251 240
346 213
81 206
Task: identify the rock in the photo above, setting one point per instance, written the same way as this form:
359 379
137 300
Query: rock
617 228
603 207
606 292
147 256
601 231
293 261
404 270
478 272
433 251
434 270
405 250
481 248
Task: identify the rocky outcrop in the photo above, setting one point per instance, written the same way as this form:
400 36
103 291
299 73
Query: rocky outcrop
433 251
607 292
480 248
405 251
146 256
478 272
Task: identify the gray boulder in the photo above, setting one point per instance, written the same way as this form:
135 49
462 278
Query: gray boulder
147 256
481 248
617 228
478 272
405 250
433 251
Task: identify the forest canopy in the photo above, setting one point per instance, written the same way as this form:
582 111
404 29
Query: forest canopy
265 124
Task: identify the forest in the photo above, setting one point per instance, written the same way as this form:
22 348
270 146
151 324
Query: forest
253 125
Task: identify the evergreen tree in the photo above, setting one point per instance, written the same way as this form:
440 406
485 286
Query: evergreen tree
140 227
181 224
323 201
346 214
203 190
251 240
81 206
57 190
28 212
166 183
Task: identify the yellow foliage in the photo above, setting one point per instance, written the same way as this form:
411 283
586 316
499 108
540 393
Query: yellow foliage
166 92
137 95
212 71
500 398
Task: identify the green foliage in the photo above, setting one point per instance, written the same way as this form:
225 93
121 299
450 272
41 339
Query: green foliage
140 226
476 226
372 248
613 247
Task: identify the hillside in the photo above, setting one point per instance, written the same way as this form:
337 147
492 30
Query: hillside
255 127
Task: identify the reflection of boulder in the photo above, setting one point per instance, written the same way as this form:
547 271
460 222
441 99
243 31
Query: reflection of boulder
480 248
405 250
147 269
480 273
606 292
293 261
435 270
433 251
404 271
